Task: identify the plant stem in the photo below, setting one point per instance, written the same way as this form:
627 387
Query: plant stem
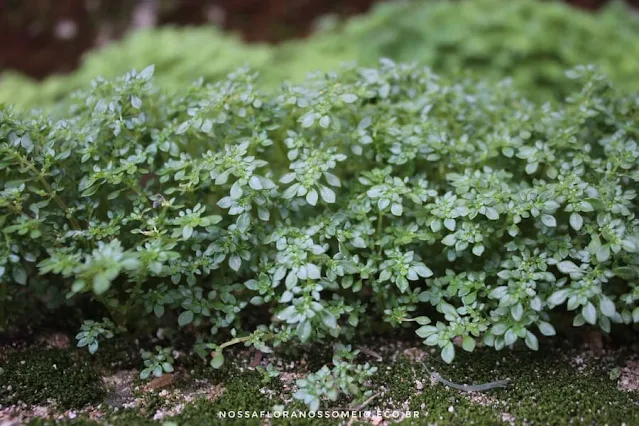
234 341
380 222
50 190
132 299
120 324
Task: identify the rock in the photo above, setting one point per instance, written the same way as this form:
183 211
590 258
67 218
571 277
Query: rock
122 392
160 382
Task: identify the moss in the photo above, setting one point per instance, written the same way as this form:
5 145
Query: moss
37 376
304 421
434 405
117 354
398 378
197 369
398 383
547 389
298 406
242 392
316 355
544 389
80 421
129 417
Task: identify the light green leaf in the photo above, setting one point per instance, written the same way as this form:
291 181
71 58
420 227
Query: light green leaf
531 341
312 197
185 318
589 313
549 220
492 213
448 353
327 194
546 328
101 284
517 311
468 343
147 72
449 240
19 274
559 297
218 360
576 221
304 331
607 307
568 267
426 331
510 337
328 319
308 119
348 98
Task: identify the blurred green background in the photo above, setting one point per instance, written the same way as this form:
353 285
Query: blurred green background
530 41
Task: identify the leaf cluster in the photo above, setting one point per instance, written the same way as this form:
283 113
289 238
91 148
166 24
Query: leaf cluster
344 378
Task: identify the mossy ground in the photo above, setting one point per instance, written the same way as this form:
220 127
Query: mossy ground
40 376
558 386
545 388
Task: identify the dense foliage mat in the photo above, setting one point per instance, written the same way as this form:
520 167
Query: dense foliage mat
370 199
531 41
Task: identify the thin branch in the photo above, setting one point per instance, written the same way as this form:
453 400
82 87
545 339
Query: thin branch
466 388
25 162
365 403
370 352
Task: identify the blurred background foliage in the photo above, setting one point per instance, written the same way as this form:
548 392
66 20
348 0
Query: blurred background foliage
41 37
532 41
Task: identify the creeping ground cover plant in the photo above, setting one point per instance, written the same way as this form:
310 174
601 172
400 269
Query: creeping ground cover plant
366 198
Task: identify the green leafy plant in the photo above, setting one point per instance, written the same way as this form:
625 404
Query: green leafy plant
92 331
344 378
268 373
157 364
369 198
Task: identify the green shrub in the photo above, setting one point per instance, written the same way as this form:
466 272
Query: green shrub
369 198
531 41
